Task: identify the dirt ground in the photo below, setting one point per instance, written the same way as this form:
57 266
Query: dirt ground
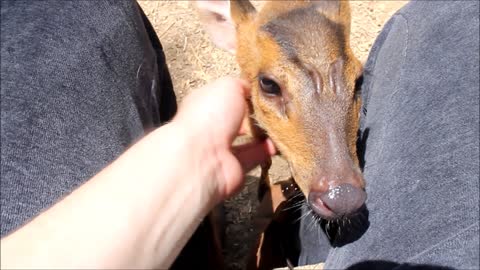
194 61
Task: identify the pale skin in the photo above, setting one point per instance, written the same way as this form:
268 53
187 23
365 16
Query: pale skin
141 210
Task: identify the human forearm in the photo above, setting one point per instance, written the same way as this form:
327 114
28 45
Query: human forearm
141 210
121 218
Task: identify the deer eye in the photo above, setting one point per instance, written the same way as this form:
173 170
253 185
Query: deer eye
269 86
358 87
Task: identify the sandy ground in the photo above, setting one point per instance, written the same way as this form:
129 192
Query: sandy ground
194 61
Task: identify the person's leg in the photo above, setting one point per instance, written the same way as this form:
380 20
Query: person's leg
80 81
420 133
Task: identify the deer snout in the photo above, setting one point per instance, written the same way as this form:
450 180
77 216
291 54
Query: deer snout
333 196
336 186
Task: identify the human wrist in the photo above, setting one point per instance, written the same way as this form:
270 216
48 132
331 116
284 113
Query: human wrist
169 184
198 157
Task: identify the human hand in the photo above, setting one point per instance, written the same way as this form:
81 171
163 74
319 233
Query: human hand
211 118
177 172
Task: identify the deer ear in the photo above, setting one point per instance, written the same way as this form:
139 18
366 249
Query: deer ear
328 6
241 11
217 22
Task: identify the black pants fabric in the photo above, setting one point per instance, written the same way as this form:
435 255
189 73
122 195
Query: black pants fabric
420 148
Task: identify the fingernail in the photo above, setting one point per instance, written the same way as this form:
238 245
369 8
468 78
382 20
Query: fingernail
270 147
244 82
246 86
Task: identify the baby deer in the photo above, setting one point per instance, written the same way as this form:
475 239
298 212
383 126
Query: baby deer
297 57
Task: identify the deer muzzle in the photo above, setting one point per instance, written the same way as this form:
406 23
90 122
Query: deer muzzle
336 187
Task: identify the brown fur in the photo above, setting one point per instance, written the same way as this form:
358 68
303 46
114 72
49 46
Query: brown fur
304 46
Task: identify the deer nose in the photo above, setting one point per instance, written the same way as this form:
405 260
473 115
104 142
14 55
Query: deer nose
337 201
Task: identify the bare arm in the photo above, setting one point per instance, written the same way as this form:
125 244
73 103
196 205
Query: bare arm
141 210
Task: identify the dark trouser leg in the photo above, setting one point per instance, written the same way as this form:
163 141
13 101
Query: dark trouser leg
80 81
421 140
